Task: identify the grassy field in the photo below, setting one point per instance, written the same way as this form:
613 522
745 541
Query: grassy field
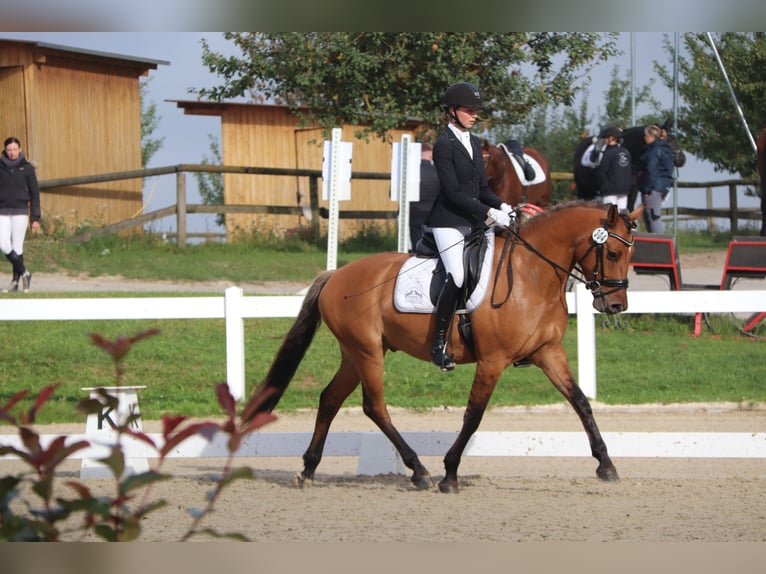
654 360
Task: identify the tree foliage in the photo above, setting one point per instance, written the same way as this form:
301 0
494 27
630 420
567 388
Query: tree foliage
210 185
149 122
709 124
379 80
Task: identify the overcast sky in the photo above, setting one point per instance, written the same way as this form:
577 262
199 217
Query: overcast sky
186 137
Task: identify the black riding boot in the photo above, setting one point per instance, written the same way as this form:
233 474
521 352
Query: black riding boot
445 309
18 270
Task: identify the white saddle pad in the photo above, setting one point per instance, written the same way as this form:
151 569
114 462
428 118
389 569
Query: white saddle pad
539 173
413 283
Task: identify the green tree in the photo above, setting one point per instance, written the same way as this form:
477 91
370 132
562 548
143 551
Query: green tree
149 122
379 80
210 185
709 124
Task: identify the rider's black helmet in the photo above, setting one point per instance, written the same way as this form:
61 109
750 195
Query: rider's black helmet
462 94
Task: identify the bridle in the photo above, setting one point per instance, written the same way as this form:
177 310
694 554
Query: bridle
598 239
596 284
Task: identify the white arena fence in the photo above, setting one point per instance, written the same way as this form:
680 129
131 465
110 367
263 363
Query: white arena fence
375 453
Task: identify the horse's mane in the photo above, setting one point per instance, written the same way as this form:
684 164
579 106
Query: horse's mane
545 215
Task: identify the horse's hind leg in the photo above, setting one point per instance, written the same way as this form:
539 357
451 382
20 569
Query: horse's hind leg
331 399
557 368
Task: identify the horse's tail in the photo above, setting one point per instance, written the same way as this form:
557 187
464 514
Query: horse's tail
290 354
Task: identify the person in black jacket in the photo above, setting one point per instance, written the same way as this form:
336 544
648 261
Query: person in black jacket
614 171
465 202
19 202
429 189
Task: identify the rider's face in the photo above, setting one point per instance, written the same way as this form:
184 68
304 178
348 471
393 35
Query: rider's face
467 116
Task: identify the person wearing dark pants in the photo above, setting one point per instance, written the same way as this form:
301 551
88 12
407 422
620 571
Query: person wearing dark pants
655 177
19 203
465 202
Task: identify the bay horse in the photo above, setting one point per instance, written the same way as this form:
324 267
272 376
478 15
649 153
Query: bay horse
762 174
505 182
524 315
586 178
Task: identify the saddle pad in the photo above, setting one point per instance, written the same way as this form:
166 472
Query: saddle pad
539 173
413 283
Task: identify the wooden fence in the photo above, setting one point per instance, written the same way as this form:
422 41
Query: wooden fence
182 208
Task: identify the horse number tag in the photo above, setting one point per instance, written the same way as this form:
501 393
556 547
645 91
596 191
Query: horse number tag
600 235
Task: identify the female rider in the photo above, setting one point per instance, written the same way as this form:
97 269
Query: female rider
465 202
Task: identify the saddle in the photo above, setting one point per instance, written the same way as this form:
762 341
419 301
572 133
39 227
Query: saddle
474 252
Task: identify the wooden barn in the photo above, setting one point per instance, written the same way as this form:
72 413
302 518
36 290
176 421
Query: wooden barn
258 135
76 112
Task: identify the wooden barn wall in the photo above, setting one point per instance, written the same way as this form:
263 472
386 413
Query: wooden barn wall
86 119
12 112
269 137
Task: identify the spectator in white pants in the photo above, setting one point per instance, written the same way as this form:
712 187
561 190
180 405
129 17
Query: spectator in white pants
19 202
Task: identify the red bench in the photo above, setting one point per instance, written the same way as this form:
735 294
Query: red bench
657 254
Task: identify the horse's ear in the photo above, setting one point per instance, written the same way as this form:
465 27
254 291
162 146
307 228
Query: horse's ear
484 144
612 215
636 213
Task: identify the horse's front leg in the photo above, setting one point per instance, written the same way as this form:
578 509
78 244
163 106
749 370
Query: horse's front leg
484 382
556 366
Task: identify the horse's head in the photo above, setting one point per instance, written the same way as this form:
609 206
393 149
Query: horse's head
603 255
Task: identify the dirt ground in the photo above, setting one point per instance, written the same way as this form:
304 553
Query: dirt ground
502 499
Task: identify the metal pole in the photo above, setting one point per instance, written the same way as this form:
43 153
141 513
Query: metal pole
632 78
675 131
731 91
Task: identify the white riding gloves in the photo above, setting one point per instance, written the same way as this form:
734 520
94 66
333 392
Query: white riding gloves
498 218
504 207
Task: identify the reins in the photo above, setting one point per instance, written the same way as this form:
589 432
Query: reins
598 240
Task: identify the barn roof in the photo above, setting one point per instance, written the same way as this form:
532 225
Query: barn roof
145 63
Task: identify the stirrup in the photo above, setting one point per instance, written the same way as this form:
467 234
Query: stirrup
441 359
525 362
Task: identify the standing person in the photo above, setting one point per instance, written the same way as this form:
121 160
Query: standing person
429 189
465 202
19 201
615 176
655 176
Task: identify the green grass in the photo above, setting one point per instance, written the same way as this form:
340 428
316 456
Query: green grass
655 360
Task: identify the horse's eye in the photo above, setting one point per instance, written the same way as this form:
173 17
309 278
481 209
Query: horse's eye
612 256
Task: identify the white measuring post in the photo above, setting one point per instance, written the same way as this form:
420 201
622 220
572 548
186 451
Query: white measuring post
405 184
100 429
336 186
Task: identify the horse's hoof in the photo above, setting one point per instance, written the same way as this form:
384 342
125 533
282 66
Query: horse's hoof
449 487
608 474
300 480
422 481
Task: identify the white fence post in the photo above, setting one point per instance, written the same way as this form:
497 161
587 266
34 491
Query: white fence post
586 341
235 342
